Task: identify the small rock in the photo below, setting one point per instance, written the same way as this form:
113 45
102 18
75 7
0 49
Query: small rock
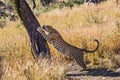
118 70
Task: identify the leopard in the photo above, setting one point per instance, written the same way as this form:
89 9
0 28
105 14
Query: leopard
53 37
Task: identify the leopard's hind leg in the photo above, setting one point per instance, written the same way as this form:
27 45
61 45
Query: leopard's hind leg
80 61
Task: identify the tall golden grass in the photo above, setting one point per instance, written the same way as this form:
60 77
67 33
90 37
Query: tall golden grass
78 27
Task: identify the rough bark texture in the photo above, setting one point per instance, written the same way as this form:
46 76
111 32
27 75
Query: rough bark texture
38 43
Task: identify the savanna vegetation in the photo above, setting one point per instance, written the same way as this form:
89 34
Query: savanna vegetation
78 26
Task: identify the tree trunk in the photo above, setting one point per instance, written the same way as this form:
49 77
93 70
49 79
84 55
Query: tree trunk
38 43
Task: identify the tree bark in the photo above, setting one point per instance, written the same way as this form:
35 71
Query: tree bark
38 44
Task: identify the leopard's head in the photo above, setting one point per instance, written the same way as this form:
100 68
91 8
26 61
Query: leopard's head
48 29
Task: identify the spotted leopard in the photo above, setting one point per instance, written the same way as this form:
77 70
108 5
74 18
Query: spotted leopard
54 38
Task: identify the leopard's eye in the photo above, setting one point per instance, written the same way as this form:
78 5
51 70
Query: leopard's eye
43 27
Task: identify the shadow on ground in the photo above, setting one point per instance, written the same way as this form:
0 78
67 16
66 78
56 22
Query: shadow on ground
94 72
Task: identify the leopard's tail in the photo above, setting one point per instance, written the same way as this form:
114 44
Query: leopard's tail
91 51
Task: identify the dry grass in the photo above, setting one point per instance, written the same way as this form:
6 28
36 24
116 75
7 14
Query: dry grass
78 27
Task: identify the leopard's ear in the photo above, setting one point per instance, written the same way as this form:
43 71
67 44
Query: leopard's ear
49 26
